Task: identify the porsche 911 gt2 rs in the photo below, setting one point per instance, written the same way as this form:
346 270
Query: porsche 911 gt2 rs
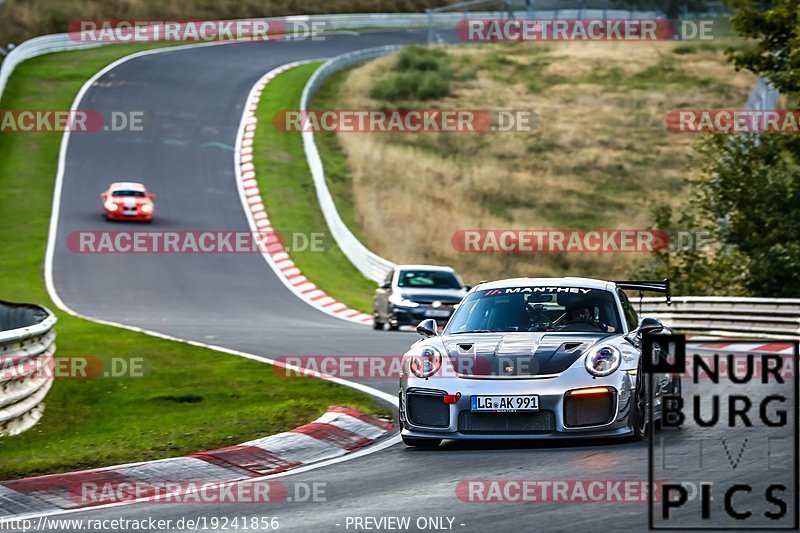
533 358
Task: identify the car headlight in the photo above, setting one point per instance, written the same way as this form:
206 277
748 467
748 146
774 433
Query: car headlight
402 301
603 361
111 206
425 361
147 208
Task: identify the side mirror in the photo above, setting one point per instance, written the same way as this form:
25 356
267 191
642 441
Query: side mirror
650 325
427 328
103 195
386 285
151 196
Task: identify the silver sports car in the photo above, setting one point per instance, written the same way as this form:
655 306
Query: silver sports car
533 358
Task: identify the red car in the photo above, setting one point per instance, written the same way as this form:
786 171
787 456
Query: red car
128 200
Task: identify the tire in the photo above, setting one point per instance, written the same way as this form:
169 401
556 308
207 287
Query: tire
638 416
394 326
377 324
421 443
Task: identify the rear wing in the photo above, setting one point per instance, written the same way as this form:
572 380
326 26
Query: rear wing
647 286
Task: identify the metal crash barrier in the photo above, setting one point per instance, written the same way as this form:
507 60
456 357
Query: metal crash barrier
27 345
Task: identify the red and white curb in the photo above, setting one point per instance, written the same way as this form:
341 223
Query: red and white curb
275 254
339 431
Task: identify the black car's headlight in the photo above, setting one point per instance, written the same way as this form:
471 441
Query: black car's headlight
603 361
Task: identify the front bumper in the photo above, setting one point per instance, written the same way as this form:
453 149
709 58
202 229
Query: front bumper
411 316
119 215
432 418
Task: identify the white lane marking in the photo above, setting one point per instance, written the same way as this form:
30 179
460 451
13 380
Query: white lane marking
51 290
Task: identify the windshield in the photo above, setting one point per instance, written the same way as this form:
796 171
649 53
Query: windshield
428 279
557 309
137 194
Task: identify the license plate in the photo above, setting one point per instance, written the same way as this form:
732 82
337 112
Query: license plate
437 312
505 404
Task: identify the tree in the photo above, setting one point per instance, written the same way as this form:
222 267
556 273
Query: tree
749 188
746 200
774 26
755 188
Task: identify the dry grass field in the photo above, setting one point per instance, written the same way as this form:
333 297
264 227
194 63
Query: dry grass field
600 157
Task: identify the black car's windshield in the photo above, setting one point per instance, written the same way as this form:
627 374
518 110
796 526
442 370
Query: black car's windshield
428 279
137 194
557 309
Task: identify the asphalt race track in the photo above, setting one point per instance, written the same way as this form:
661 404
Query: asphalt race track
192 100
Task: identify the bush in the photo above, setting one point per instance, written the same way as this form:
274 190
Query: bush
417 74
396 87
419 58
432 87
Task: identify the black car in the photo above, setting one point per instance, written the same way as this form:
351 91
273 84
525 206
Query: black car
412 293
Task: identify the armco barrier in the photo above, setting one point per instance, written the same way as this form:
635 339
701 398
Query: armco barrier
728 316
26 344
371 265
763 97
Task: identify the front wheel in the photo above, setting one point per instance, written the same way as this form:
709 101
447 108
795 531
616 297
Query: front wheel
421 443
377 324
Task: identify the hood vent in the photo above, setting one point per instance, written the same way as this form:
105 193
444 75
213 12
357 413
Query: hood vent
516 355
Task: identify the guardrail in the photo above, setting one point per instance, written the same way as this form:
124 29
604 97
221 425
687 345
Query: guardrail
371 265
763 97
27 344
744 317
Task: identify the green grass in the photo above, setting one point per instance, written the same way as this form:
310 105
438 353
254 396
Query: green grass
289 196
189 399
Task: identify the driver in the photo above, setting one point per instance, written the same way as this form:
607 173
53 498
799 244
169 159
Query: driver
578 315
